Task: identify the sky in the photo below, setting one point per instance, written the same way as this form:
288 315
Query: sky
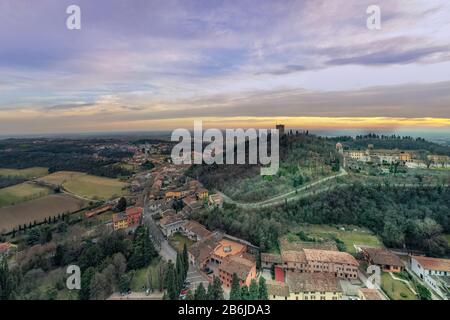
143 65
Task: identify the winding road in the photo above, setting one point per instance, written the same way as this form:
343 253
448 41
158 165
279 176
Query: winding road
291 195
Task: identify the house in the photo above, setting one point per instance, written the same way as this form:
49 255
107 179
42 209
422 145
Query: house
97 211
245 270
369 294
385 259
174 194
340 264
120 221
192 203
195 231
215 201
200 252
6 247
270 260
434 272
294 260
227 248
171 223
202 193
313 286
134 215
277 290
131 217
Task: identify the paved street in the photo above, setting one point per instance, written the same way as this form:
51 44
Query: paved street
195 278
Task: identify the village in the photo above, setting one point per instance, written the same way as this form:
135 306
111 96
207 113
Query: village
164 199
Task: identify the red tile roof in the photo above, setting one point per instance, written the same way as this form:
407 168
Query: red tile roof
433 263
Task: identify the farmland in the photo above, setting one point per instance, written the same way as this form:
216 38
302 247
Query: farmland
20 193
33 172
85 185
38 210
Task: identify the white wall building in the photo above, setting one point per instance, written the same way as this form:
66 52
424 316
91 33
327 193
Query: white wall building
434 272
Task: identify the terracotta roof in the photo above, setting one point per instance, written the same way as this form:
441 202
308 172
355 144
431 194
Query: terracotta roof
433 263
201 250
196 228
381 256
238 265
134 210
228 248
271 258
330 256
5 246
170 219
293 256
370 294
275 288
312 282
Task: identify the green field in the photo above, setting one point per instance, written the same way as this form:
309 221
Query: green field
142 277
178 240
87 186
396 290
34 172
20 193
350 236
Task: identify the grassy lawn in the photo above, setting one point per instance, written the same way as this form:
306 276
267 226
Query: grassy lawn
178 240
20 193
141 277
89 186
350 237
34 172
396 290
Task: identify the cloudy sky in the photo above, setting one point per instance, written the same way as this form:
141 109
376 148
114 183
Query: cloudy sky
142 65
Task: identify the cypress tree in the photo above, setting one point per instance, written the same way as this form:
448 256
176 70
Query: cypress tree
253 290
263 295
200 292
235 293
244 293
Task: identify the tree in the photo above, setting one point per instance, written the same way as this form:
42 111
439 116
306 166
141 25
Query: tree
253 290
217 291
170 282
124 283
235 293
100 287
200 292
33 236
181 274
263 295
210 293
121 205
185 259
6 280
244 293
51 293
86 277
423 292
120 264
143 250
58 258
